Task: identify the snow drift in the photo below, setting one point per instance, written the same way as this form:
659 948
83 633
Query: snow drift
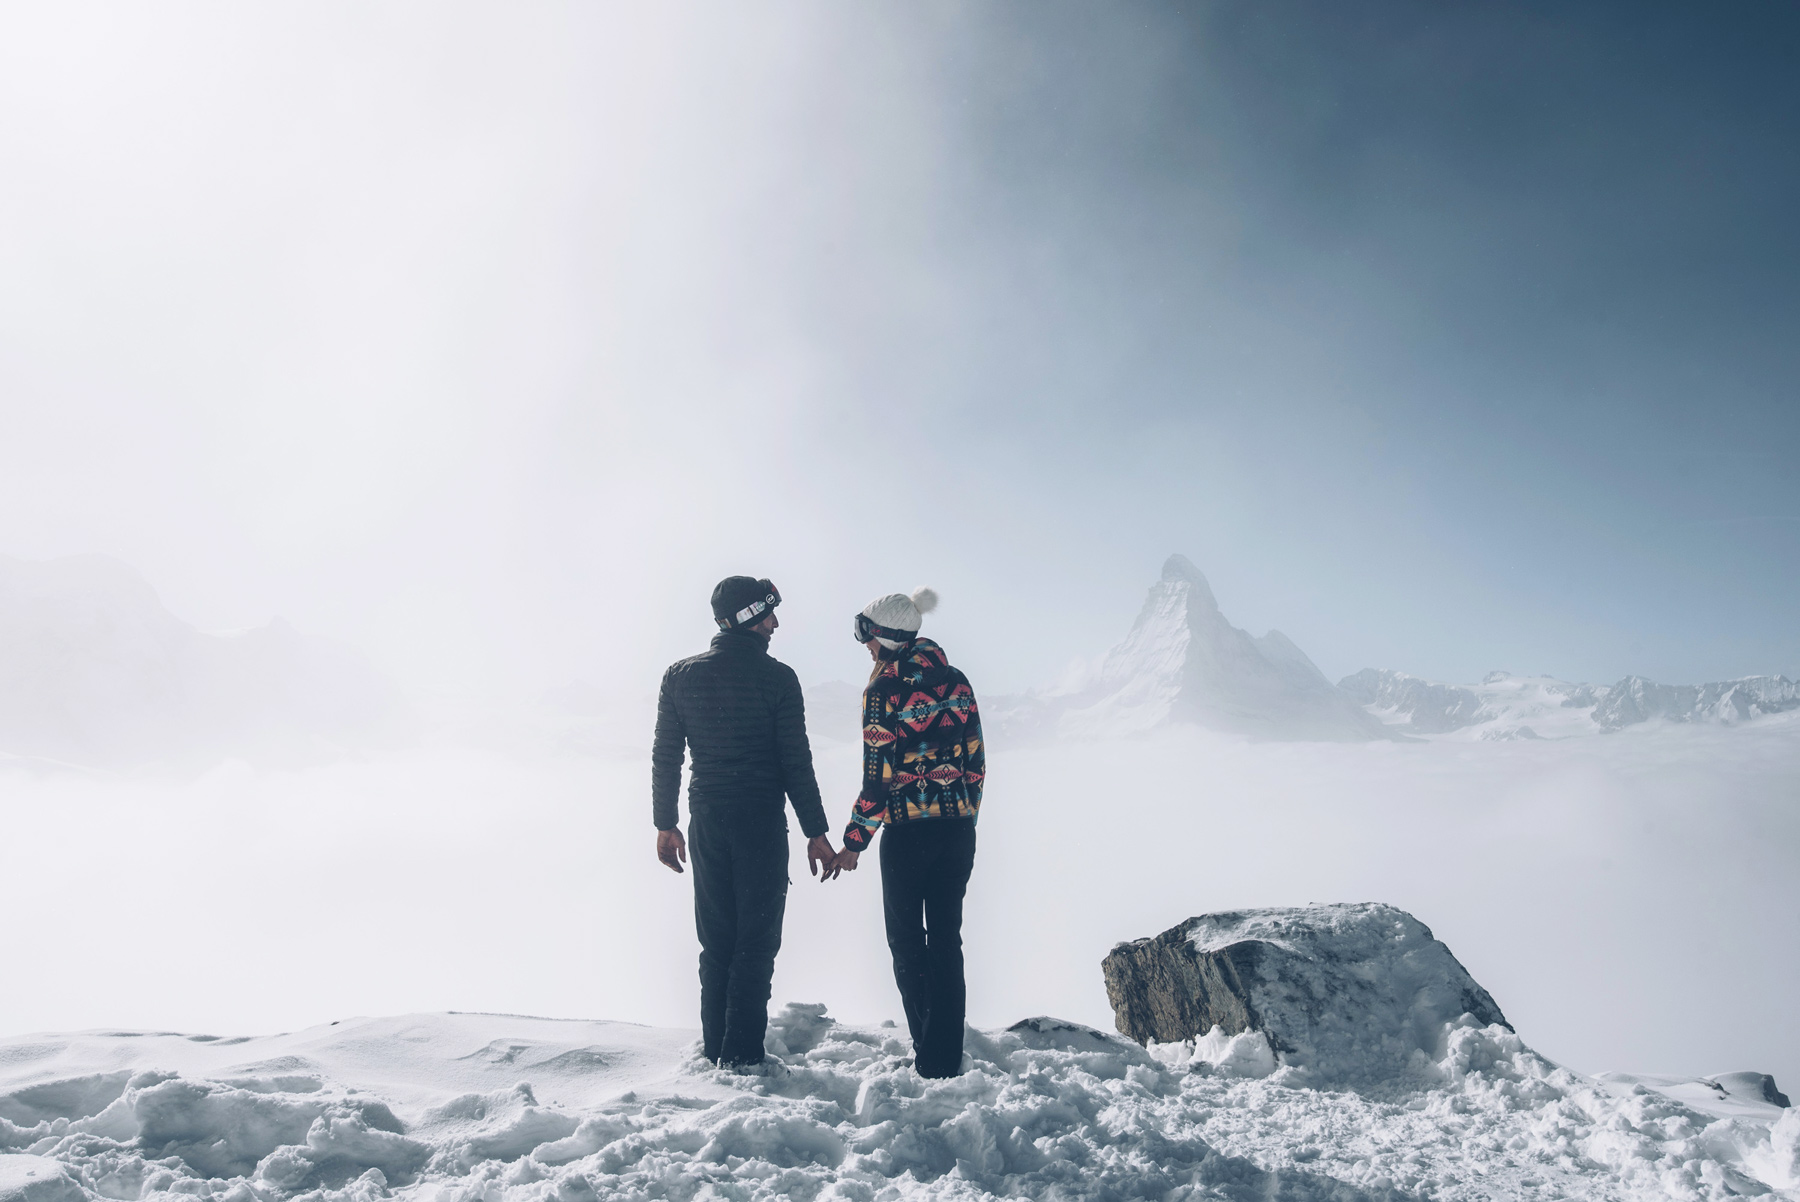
497 1108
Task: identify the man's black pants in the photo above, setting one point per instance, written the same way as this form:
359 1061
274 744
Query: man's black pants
740 895
925 869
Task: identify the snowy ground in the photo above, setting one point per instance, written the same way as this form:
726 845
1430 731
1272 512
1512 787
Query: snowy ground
455 1108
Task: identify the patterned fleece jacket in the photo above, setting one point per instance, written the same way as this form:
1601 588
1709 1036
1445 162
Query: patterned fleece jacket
922 750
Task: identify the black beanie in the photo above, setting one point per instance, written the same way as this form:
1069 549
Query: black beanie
732 595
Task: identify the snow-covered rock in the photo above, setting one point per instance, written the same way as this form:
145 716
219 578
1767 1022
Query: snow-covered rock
1182 662
94 671
1735 1095
1350 993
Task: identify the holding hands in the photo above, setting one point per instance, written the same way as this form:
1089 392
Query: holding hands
821 860
844 861
825 863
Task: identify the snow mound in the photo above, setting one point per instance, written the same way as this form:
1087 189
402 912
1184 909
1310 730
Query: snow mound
1351 994
37 1179
1729 1095
409 1108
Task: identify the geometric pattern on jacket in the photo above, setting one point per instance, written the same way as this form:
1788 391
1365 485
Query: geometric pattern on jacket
923 755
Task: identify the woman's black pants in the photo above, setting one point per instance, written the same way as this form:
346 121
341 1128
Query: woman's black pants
925 867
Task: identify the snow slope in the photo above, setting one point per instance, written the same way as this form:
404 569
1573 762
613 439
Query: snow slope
498 1108
1183 663
94 671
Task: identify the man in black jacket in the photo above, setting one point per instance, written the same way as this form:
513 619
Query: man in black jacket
741 712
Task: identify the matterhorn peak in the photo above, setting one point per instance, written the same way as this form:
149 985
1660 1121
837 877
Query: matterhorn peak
1180 567
1184 662
1179 570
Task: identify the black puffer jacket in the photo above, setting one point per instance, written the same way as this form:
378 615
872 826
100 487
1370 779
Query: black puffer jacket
741 711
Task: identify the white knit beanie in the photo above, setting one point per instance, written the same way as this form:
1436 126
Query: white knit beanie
897 611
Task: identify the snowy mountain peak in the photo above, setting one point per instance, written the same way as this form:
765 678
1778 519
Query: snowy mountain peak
1183 662
1180 568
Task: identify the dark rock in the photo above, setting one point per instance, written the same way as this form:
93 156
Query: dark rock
1357 991
1756 1087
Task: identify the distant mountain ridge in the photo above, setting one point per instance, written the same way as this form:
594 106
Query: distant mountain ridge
1183 663
1507 706
94 671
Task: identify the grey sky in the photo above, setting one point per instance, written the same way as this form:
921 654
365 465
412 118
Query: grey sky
1443 339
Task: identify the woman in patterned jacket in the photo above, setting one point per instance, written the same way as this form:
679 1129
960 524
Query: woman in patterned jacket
923 769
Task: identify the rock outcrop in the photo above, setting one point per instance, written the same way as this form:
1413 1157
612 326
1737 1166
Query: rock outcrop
1345 992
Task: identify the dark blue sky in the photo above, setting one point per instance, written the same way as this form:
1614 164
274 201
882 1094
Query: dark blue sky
1458 337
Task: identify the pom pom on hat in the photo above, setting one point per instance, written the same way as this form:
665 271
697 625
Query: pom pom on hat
924 599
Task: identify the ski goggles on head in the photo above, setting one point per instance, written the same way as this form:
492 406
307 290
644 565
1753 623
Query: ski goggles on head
755 610
866 629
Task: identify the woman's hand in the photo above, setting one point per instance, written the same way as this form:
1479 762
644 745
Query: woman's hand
844 861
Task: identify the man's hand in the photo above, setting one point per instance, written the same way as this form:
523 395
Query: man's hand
818 851
844 861
671 849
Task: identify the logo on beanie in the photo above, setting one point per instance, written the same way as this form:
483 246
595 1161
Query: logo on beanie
749 611
741 600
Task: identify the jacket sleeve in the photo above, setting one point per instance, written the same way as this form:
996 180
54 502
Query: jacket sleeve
974 755
666 756
796 756
870 809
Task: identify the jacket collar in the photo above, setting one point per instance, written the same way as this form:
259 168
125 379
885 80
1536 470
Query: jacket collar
742 640
919 651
